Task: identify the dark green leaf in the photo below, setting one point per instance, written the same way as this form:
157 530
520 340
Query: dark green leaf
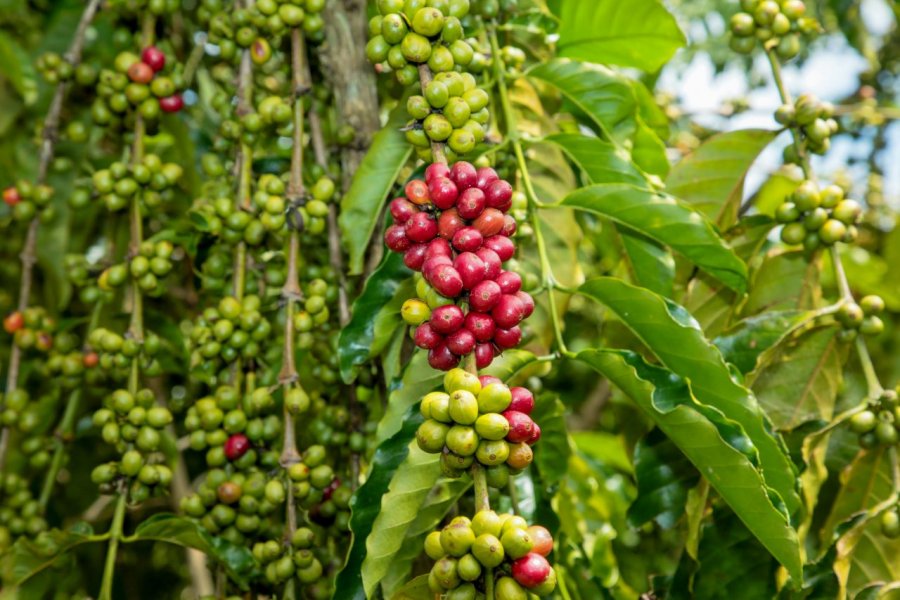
356 338
666 221
601 161
29 557
706 437
664 478
652 265
16 67
361 205
712 178
674 336
237 560
418 379
637 33
401 490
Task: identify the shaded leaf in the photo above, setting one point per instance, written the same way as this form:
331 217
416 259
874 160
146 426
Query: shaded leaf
361 205
552 454
29 557
652 265
674 336
785 280
743 343
799 380
418 379
712 178
17 68
357 336
701 433
638 33
416 589
664 220
664 478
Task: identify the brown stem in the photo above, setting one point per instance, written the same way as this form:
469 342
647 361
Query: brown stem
29 249
437 148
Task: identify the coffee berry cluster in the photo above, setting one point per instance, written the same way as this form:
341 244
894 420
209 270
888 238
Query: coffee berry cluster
479 418
815 218
452 110
877 424
27 201
136 83
453 228
776 24
861 318
503 542
32 328
134 424
20 512
151 181
407 33
152 263
115 352
249 27
815 121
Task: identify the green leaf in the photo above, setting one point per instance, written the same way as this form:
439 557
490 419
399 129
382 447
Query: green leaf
785 280
601 161
237 560
865 482
418 379
637 33
17 68
397 466
675 338
652 265
552 454
664 478
746 341
361 205
357 336
29 557
712 178
666 221
799 380
416 589
701 433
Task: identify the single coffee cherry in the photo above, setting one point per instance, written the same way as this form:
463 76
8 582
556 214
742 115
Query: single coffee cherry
426 337
522 400
527 302
464 175
520 426
484 355
489 222
438 247
485 177
492 262
441 358
417 192
543 541
509 282
485 296
11 196
468 239
140 72
461 342
508 338
436 171
508 312
154 58
395 238
509 226
471 203
531 570
236 446
447 281
499 195
443 192
471 268
503 246
449 223
402 210
447 319
481 326
421 227
171 104
414 257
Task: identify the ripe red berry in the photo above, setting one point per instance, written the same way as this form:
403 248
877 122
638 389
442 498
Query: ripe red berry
449 223
484 355
13 322
438 247
485 296
535 435
467 239
329 491
487 380
154 58
489 222
402 209
236 446
441 358
509 226
443 192
520 426
531 570
11 196
527 302
417 192
485 177
435 171
470 203
471 269
395 238
463 175
414 257
430 266
446 281
421 227
481 325
461 342
447 319
426 337
541 539
90 360
508 312
499 195
172 104
491 261
522 400
509 281
140 72
508 338
503 246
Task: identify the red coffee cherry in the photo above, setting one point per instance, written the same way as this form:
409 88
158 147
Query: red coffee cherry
471 268
13 322
154 58
467 239
421 227
487 380
436 171
430 266
499 195
236 446
485 177
464 175
531 570
11 196
492 262
417 192
441 358
503 246
522 400
172 104
443 192
520 426
527 302
414 257
402 210
447 319
140 72
395 238
541 539
484 355
508 311
426 337
489 222
509 281
485 296
449 223
509 226
481 325
446 281
461 342
535 435
471 203
90 360
438 247
508 338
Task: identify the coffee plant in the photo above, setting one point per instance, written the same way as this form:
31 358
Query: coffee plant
448 299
